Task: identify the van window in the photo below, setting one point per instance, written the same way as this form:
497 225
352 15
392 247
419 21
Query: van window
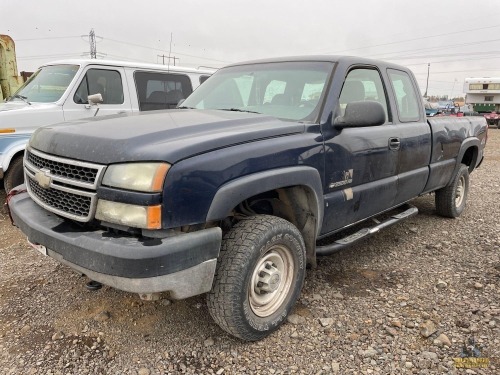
406 98
203 79
47 85
108 83
161 90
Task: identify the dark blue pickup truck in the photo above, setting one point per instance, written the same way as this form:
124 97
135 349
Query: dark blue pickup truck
230 193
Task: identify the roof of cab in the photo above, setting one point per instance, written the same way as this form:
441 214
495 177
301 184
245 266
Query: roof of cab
348 60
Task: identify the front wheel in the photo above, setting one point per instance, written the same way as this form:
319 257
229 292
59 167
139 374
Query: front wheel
260 273
14 175
451 200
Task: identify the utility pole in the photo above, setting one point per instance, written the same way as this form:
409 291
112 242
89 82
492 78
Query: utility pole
170 51
453 88
427 84
93 45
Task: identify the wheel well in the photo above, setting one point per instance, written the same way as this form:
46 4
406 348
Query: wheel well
297 204
18 154
470 157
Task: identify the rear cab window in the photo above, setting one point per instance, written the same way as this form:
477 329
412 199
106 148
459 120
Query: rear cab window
406 96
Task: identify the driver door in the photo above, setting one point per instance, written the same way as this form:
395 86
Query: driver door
107 81
361 163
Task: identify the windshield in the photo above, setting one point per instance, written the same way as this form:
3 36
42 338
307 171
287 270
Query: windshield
286 90
47 84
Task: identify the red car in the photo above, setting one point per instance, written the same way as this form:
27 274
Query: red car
492 118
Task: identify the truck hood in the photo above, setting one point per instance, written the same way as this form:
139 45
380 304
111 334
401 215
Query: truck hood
24 117
161 135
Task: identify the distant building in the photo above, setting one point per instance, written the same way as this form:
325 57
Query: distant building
483 93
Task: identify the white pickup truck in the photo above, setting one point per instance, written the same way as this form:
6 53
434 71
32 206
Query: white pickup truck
59 92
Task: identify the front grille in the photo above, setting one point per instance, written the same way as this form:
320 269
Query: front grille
64 186
58 168
62 201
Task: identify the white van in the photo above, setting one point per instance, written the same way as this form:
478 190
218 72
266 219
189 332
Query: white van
59 91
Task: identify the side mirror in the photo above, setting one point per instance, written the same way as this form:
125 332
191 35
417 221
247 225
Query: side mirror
95 99
363 113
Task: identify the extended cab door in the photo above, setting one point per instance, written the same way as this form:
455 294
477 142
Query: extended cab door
414 136
105 80
361 163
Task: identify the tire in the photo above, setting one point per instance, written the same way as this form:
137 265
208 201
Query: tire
14 175
452 199
259 276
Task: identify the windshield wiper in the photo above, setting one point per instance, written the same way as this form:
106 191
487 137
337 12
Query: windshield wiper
23 98
237 110
184 107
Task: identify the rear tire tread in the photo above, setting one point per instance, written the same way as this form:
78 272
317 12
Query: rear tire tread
445 197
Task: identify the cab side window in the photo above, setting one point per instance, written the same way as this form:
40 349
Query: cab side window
363 84
108 83
161 90
406 97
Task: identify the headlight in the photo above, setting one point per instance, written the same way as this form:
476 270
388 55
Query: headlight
129 214
147 177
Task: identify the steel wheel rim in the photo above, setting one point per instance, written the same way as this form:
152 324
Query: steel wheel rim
460 192
269 287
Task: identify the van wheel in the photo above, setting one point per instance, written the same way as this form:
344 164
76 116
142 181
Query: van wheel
14 175
452 199
259 276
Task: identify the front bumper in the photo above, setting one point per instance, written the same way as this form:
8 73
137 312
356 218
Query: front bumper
183 265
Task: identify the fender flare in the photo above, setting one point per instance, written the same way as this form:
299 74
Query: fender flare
466 144
232 193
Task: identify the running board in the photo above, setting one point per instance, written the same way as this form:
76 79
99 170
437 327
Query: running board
366 232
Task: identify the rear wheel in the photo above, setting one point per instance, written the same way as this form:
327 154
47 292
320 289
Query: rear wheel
259 277
452 199
14 175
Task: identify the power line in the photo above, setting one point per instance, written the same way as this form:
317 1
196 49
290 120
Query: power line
162 50
413 39
442 55
449 46
455 60
48 38
48 56
463 71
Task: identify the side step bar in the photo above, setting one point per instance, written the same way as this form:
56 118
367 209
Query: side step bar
366 232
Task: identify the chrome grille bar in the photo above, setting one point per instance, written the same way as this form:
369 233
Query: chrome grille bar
63 186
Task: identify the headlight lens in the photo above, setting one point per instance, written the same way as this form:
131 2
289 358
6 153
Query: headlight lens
129 214
147 177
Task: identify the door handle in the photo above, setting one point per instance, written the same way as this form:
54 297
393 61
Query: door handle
394 143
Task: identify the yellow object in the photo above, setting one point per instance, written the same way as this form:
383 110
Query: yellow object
10 80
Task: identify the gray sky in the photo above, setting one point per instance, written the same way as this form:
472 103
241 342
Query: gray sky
459 38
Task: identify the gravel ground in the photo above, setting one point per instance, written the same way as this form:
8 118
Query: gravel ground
402 302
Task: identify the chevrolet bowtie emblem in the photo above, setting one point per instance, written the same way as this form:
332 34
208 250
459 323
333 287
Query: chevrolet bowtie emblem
43 178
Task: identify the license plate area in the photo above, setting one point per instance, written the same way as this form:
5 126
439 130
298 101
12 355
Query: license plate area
42 249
